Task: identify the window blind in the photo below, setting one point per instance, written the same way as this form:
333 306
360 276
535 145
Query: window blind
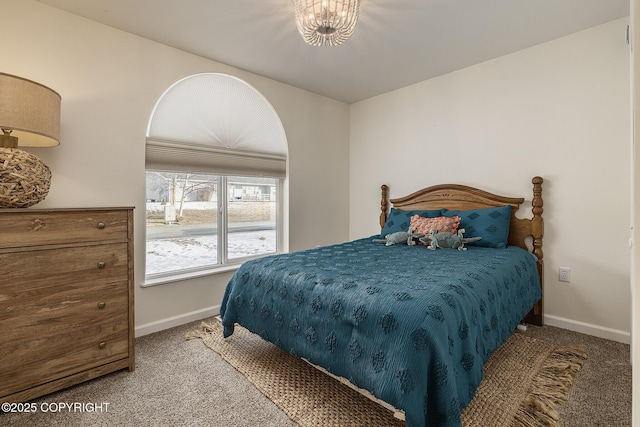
216 123
181 157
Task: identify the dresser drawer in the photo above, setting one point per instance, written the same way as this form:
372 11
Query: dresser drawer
41 360
25 274
18 229
61 308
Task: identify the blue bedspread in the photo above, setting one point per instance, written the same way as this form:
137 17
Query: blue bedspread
412 326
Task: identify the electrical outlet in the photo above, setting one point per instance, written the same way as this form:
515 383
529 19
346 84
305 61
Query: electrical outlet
564 274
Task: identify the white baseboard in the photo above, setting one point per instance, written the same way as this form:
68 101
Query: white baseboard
589 329
171 322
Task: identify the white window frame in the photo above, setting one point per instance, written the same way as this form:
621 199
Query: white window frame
224 264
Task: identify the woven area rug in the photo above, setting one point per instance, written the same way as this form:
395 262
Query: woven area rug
524 382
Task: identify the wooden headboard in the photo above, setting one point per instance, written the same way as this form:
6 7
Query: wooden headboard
456 196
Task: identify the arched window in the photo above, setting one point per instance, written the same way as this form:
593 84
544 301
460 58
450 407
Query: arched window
215 162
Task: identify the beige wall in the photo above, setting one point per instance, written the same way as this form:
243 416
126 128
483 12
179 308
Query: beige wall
559 110
109 82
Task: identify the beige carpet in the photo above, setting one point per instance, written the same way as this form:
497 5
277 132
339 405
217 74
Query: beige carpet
524 382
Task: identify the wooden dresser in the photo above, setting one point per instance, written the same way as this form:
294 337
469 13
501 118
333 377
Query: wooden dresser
66 298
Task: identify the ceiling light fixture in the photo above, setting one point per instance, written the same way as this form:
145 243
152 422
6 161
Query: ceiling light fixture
326 22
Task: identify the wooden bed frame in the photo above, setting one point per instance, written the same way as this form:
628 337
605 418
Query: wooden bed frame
456 196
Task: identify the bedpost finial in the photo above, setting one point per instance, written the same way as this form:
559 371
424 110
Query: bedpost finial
537 195
384 205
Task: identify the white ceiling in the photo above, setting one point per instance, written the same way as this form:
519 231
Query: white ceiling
396 42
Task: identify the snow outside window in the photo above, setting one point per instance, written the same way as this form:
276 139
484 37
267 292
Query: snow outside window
198 222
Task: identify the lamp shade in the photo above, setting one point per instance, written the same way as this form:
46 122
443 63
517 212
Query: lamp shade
30 111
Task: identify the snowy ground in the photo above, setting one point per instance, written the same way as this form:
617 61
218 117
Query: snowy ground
159 207
176 253
186 252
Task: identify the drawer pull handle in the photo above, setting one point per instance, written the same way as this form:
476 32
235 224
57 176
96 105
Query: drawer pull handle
101 264
102 345
102 304
101 225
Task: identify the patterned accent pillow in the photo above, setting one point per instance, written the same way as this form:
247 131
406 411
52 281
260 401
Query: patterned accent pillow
440 224
398 220
492 224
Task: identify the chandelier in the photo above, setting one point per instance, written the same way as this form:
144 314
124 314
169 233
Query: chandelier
326 22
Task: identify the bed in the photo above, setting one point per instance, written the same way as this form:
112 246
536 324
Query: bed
411 326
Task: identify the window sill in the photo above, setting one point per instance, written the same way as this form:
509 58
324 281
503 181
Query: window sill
177 277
